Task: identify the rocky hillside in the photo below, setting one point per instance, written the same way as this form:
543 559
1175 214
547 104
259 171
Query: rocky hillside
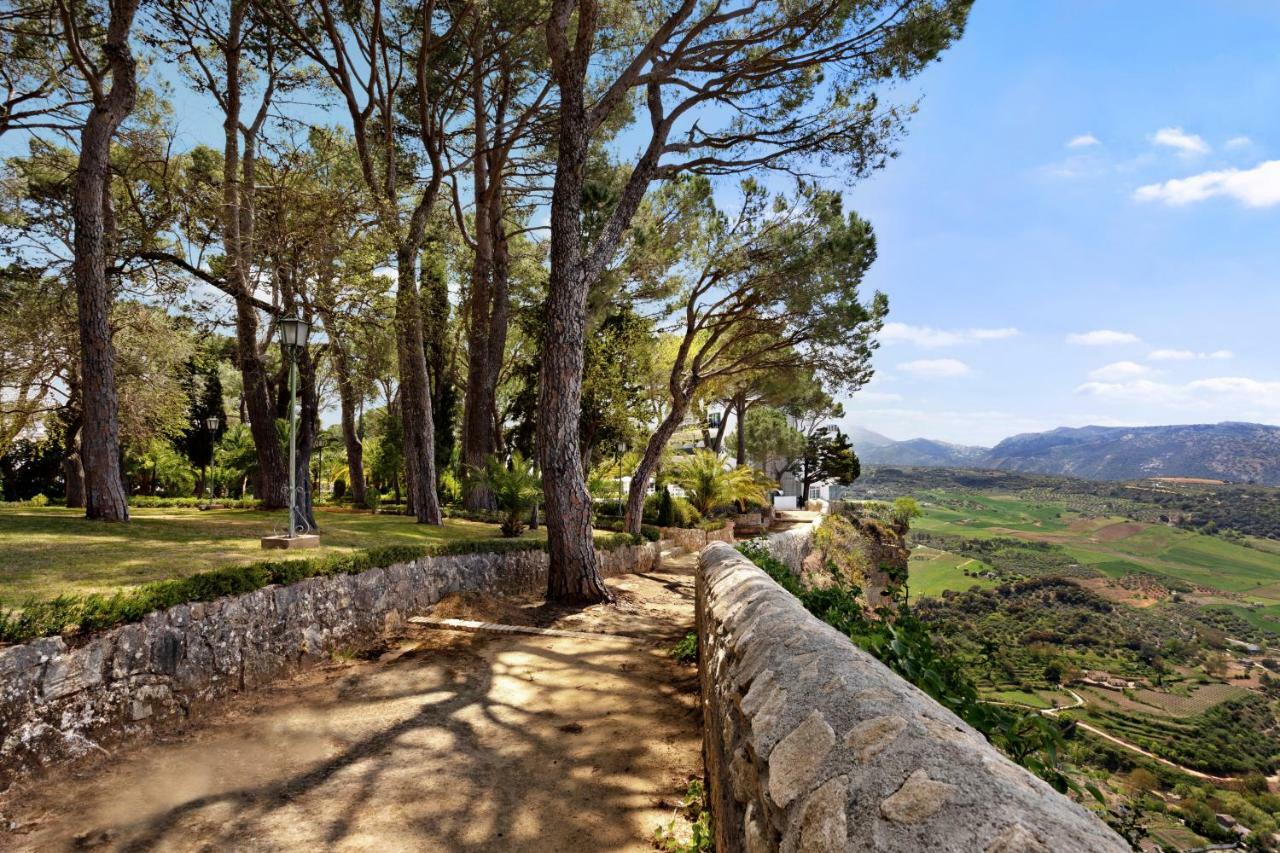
1239 452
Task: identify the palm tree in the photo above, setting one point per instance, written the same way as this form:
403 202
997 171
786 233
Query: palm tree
516 488
710 485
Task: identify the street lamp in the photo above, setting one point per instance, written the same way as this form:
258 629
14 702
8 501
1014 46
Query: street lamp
211 424
293 339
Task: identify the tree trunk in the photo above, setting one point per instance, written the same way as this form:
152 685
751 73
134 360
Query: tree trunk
415 393
433 294
477 425
273 466
649 465
718 442
72 466
73 474
237 223
740 410
350 435
573 574
91 209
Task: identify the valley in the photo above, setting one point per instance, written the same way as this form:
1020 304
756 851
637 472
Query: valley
1144 616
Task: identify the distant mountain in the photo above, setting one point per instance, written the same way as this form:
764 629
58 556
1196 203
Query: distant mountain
1239 452
920 452
863 438
1227 451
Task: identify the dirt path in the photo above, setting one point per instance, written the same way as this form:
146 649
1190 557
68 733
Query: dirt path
1273 781
448 741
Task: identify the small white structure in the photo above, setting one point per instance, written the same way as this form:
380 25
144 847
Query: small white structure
784 501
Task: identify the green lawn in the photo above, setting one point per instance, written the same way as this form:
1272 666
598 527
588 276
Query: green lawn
48 551
932 572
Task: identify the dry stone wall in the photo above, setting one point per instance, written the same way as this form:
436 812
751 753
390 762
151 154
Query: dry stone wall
813 745
791 547
59 702
695 538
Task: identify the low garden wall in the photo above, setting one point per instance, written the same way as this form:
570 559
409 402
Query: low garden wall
695 538
59 702
813 745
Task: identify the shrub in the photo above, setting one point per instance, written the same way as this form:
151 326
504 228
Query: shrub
372 499
449 487
647 531
39 500
710 485
516 488
666 508
681 514
686 651
339 489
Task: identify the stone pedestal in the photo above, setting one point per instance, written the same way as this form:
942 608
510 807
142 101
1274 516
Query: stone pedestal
304 540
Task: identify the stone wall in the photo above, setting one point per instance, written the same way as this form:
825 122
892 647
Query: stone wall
791 546
694 538
59 702
813 745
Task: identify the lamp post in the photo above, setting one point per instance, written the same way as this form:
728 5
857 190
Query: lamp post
293 338
211 424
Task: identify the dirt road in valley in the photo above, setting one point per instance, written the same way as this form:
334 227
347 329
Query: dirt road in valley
448 740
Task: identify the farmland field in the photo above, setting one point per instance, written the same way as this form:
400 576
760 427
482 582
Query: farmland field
933 571
1111 546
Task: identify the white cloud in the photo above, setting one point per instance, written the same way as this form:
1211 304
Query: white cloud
1187 355
926 336
1084 140
1239 142
994 334
936 368
1236 397
1102 338
1119 371
1177 138
1256 187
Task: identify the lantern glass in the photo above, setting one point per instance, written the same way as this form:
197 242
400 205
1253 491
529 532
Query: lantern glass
294 331
212 423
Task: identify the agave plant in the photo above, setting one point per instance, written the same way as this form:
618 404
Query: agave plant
516 488
710 485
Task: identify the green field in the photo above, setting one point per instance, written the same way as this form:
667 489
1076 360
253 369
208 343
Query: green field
49 551
1112 546
933 572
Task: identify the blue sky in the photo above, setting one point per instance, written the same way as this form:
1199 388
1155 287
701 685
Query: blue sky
1083 167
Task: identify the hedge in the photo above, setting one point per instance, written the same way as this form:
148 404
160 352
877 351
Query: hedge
647 531
71 615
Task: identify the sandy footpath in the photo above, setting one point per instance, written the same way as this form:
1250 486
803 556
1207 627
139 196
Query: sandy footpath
444 741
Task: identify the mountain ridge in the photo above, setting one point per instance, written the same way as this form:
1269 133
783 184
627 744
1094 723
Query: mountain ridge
1236 451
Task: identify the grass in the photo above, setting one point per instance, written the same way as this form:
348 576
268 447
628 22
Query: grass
1017 697
932 572
52 551
1102 544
